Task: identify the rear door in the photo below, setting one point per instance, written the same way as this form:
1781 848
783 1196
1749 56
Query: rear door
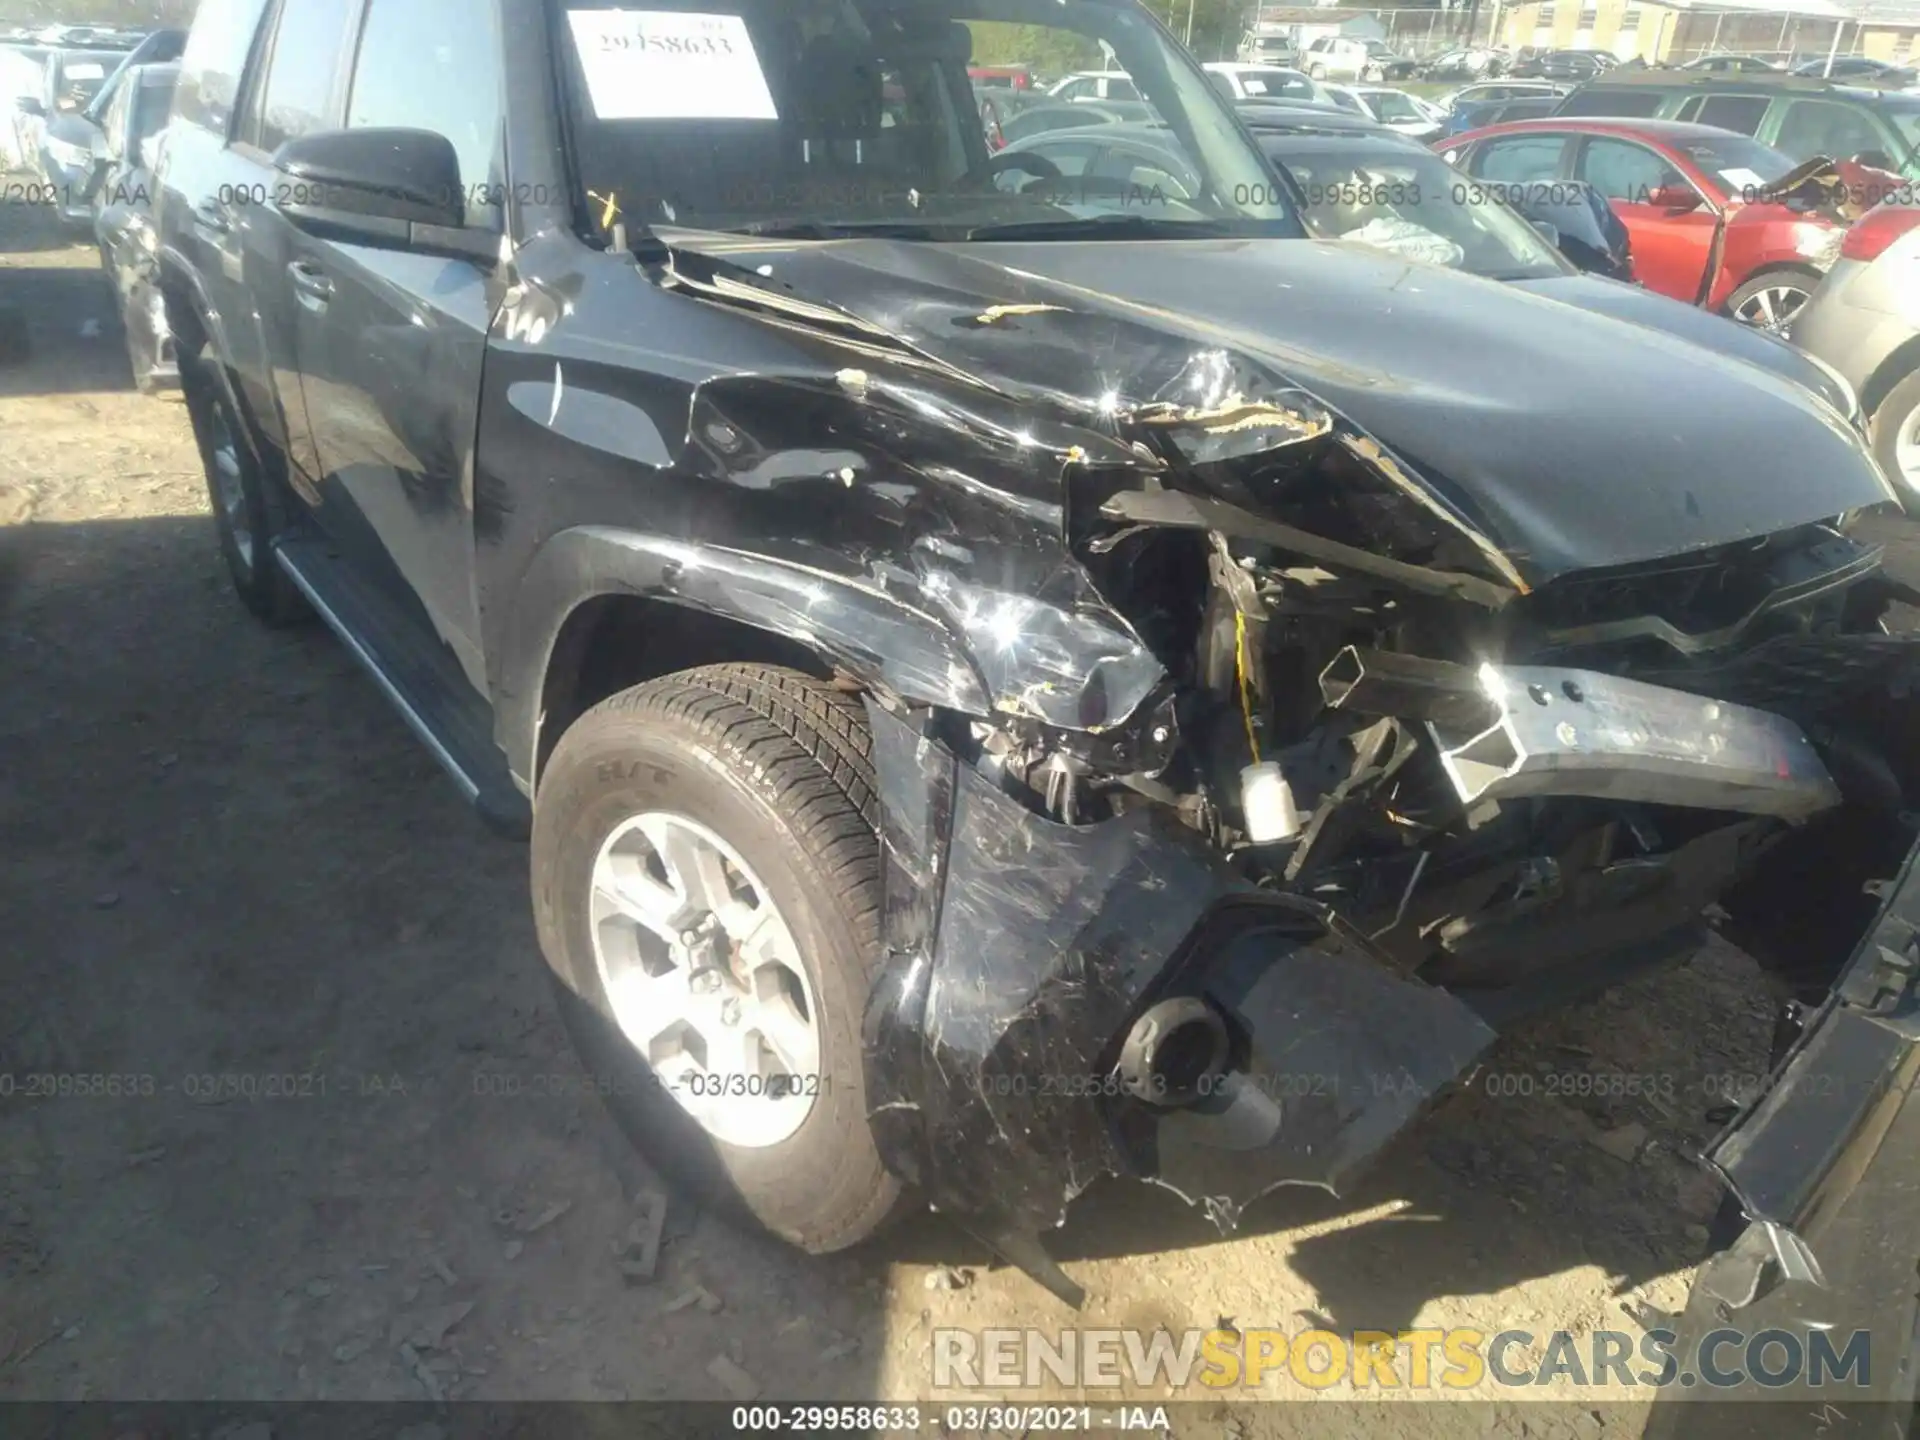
1671 245
390 343
295 91
1823 127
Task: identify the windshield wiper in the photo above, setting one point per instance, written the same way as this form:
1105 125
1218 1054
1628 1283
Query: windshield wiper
1109 227
838 230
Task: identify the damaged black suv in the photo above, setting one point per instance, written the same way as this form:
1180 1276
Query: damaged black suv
1013 677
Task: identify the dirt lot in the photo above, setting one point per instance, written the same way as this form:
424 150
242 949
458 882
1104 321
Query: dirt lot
222 855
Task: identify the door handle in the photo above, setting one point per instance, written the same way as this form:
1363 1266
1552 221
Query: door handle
310 283
209 215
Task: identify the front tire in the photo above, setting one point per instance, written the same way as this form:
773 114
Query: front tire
706 886
1770 301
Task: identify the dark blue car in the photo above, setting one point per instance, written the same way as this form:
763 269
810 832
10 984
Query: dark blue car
1463 118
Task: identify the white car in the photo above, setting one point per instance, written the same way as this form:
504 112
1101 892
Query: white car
21 76
1095 85
1267 47
1405 114
1265 82
1342 57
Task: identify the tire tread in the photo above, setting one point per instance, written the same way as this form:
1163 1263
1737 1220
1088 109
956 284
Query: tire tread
807 741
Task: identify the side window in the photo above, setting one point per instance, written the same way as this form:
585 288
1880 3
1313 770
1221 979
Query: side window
114 122
215 54
1606 100
1521 157
1076 90
435 65
1621 170
1735 112
296 96
1819 127
1222 83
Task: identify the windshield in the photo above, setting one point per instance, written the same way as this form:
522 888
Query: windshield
1287 84
1391 105
1401 199
1741 164
830 117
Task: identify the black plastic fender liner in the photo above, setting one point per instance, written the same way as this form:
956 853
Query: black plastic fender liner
1019 954
1825 1168
875 635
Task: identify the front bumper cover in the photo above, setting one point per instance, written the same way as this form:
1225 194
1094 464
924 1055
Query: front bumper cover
1019 955
1825 1169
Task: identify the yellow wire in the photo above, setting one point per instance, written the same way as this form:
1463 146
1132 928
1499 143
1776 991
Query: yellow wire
1240 672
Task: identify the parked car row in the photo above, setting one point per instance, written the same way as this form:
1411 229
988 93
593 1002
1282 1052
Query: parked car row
86 124
1695 212
1717 219
1801 118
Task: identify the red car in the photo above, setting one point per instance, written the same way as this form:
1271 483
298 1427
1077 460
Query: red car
1000 77
1708 221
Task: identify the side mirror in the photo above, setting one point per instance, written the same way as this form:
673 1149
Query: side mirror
1674 197
30 105
392 188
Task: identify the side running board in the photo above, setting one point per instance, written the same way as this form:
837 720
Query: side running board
418 675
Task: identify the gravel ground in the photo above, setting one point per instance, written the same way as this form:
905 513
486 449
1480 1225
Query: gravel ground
222 855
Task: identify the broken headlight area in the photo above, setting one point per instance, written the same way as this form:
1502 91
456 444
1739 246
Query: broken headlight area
1384 799
1518 792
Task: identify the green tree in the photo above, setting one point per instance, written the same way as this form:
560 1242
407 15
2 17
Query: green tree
1217 24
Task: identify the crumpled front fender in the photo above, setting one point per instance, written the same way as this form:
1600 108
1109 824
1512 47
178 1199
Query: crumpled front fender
1020 955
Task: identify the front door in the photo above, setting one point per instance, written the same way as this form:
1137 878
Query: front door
1672 243
390 344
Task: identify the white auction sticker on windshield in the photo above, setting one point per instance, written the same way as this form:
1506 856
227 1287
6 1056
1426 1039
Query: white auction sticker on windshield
1741 180
85 72
669 65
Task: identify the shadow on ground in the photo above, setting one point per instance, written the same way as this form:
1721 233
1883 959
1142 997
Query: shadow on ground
73 339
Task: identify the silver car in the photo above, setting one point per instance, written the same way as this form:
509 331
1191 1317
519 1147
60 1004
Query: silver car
1864 322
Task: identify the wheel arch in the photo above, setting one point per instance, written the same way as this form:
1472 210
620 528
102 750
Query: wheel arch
599 610
1900 363
1779 265
196 325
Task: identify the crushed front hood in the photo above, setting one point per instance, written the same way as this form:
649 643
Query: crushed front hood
1571 439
